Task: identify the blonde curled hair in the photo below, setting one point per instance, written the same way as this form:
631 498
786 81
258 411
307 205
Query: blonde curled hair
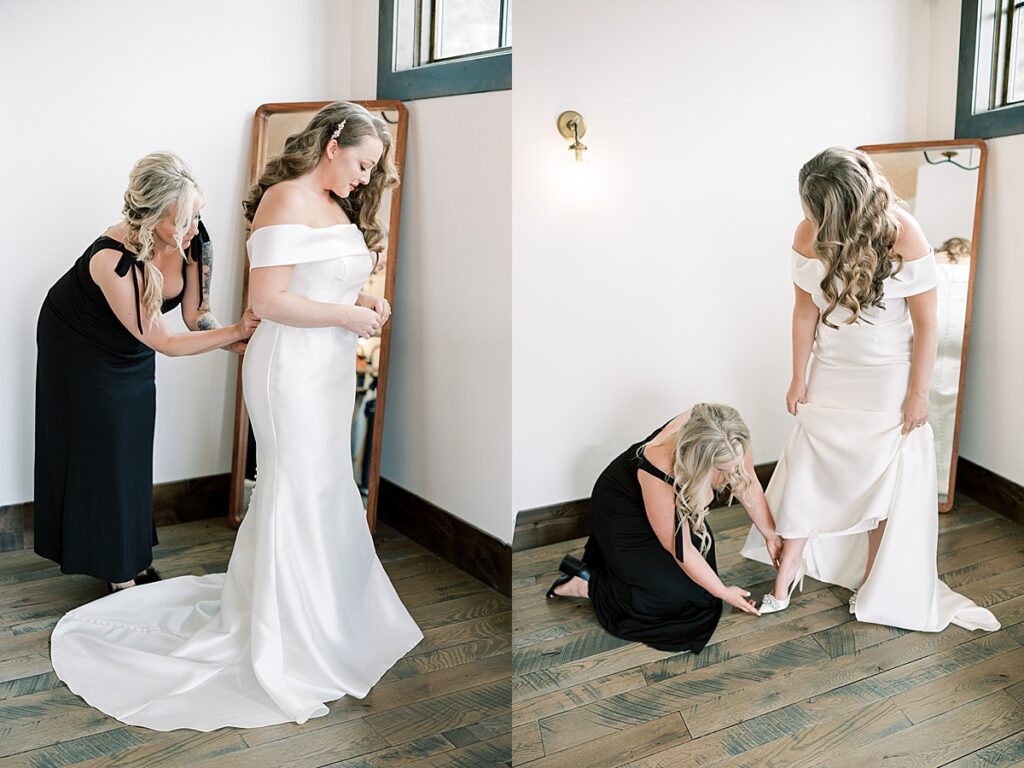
956 248
853 206
303 150
714 434
155 183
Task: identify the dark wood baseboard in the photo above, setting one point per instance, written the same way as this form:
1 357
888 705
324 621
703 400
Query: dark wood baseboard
481 556
16 529
994 491
571 519
547 525
182 501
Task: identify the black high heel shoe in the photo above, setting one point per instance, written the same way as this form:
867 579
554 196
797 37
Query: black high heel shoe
148 576
571 567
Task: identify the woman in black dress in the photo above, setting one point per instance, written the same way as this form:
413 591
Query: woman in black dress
95 375
649 565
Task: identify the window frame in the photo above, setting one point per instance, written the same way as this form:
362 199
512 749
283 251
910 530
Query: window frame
1001 121
475 73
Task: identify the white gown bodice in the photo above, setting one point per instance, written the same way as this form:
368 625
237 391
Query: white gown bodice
331 263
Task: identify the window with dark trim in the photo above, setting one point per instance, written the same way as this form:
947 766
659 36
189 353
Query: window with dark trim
990 84
430 48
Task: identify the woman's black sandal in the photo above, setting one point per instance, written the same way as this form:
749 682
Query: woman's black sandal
571 567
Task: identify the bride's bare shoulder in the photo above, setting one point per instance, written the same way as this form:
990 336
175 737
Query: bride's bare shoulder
911 242
283 203
803 238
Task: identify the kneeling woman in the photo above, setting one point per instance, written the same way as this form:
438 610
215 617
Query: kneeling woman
649 566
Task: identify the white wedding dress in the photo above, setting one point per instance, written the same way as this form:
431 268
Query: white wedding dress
305 613
847 467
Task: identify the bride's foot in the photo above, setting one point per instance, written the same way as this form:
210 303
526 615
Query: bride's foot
853 603
779 599
117 586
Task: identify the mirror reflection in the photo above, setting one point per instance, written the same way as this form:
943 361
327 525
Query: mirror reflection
940 186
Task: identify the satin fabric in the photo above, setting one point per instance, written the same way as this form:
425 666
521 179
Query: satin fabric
847 467
305 613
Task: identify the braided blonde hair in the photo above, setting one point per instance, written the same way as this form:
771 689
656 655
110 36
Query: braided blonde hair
155 183
854 207
714 434
303 150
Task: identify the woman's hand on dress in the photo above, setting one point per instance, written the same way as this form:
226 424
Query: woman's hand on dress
915 412
797 394
737 598
238 347
248 324
363 322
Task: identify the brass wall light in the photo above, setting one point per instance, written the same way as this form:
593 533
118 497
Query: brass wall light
571 126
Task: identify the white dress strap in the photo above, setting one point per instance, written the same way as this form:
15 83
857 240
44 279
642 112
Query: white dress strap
806 273
287 244
916 277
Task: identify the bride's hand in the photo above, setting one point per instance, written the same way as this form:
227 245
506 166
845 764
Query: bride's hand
737 598
363 322
381 307
774 545
797 394
915 412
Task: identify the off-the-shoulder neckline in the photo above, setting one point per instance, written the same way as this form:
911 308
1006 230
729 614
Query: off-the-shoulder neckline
304 226
931 252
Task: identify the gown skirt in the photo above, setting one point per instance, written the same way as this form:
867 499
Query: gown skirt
847 467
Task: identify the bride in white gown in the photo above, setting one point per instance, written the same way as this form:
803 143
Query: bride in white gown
854 494
305 613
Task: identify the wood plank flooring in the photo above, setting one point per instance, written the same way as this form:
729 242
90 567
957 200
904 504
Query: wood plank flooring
808 686
445 704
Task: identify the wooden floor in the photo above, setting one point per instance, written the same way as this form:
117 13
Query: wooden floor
807 686
445 704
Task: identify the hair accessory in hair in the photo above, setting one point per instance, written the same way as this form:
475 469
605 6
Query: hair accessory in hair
339 129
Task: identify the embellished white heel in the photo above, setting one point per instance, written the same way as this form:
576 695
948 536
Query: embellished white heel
771 604
853 603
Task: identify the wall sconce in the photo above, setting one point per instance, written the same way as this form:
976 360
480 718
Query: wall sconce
571 126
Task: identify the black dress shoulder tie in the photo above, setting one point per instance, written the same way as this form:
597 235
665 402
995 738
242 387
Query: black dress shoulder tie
200 245
124 265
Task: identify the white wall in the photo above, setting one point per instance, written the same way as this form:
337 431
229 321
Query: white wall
449 409
655 274
87 89
449 402
992 420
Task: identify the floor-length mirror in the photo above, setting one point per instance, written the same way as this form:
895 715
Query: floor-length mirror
273 124
941 184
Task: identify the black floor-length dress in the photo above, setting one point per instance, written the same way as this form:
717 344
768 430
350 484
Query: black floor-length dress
95 417
638 590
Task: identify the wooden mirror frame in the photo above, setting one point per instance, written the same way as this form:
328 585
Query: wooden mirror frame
978 144
236 495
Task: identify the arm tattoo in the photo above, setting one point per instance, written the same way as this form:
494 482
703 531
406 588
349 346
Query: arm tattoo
207 322
206 274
